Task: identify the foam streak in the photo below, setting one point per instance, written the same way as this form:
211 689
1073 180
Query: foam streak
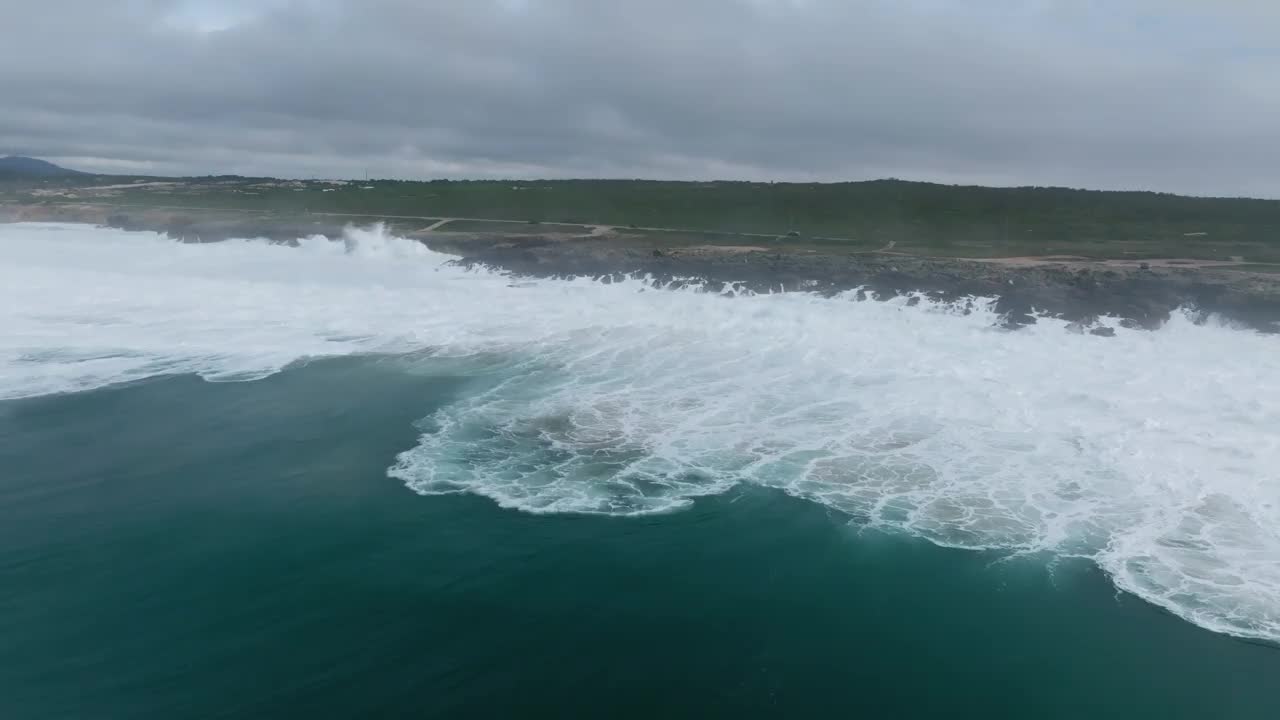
1153 453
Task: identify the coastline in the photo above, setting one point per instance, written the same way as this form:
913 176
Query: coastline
1142 294
1079 292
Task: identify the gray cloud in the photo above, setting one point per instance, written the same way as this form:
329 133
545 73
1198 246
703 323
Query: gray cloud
1163 94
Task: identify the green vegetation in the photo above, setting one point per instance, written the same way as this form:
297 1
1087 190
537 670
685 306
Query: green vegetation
914 217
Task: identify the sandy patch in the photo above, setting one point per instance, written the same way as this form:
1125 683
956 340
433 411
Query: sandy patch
728 249
1034 260
132 185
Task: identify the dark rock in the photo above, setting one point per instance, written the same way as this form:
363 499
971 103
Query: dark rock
1144 300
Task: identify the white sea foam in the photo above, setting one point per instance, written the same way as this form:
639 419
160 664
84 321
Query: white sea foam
1156 454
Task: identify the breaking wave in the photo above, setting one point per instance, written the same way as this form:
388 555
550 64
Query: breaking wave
1155 454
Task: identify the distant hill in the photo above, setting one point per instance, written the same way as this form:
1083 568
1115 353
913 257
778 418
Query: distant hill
16 166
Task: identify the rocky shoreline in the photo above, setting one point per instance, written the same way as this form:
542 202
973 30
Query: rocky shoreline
1080 293
1079 290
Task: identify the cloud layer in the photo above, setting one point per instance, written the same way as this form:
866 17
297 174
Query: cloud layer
1158 94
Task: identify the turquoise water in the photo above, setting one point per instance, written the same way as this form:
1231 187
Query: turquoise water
347 479
177 548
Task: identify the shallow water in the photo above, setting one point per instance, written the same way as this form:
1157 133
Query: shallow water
637 501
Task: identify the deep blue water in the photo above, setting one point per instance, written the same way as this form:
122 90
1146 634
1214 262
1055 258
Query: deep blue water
176 548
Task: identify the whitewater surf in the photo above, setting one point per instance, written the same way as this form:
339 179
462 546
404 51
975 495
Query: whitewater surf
1151 453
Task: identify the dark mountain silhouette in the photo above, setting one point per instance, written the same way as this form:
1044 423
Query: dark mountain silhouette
16 166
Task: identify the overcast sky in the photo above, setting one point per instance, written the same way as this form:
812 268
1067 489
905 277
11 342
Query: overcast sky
1176 95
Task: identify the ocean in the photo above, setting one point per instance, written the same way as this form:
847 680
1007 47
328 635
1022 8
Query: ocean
349 479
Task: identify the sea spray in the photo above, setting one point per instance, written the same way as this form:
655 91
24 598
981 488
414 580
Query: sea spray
1152 453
